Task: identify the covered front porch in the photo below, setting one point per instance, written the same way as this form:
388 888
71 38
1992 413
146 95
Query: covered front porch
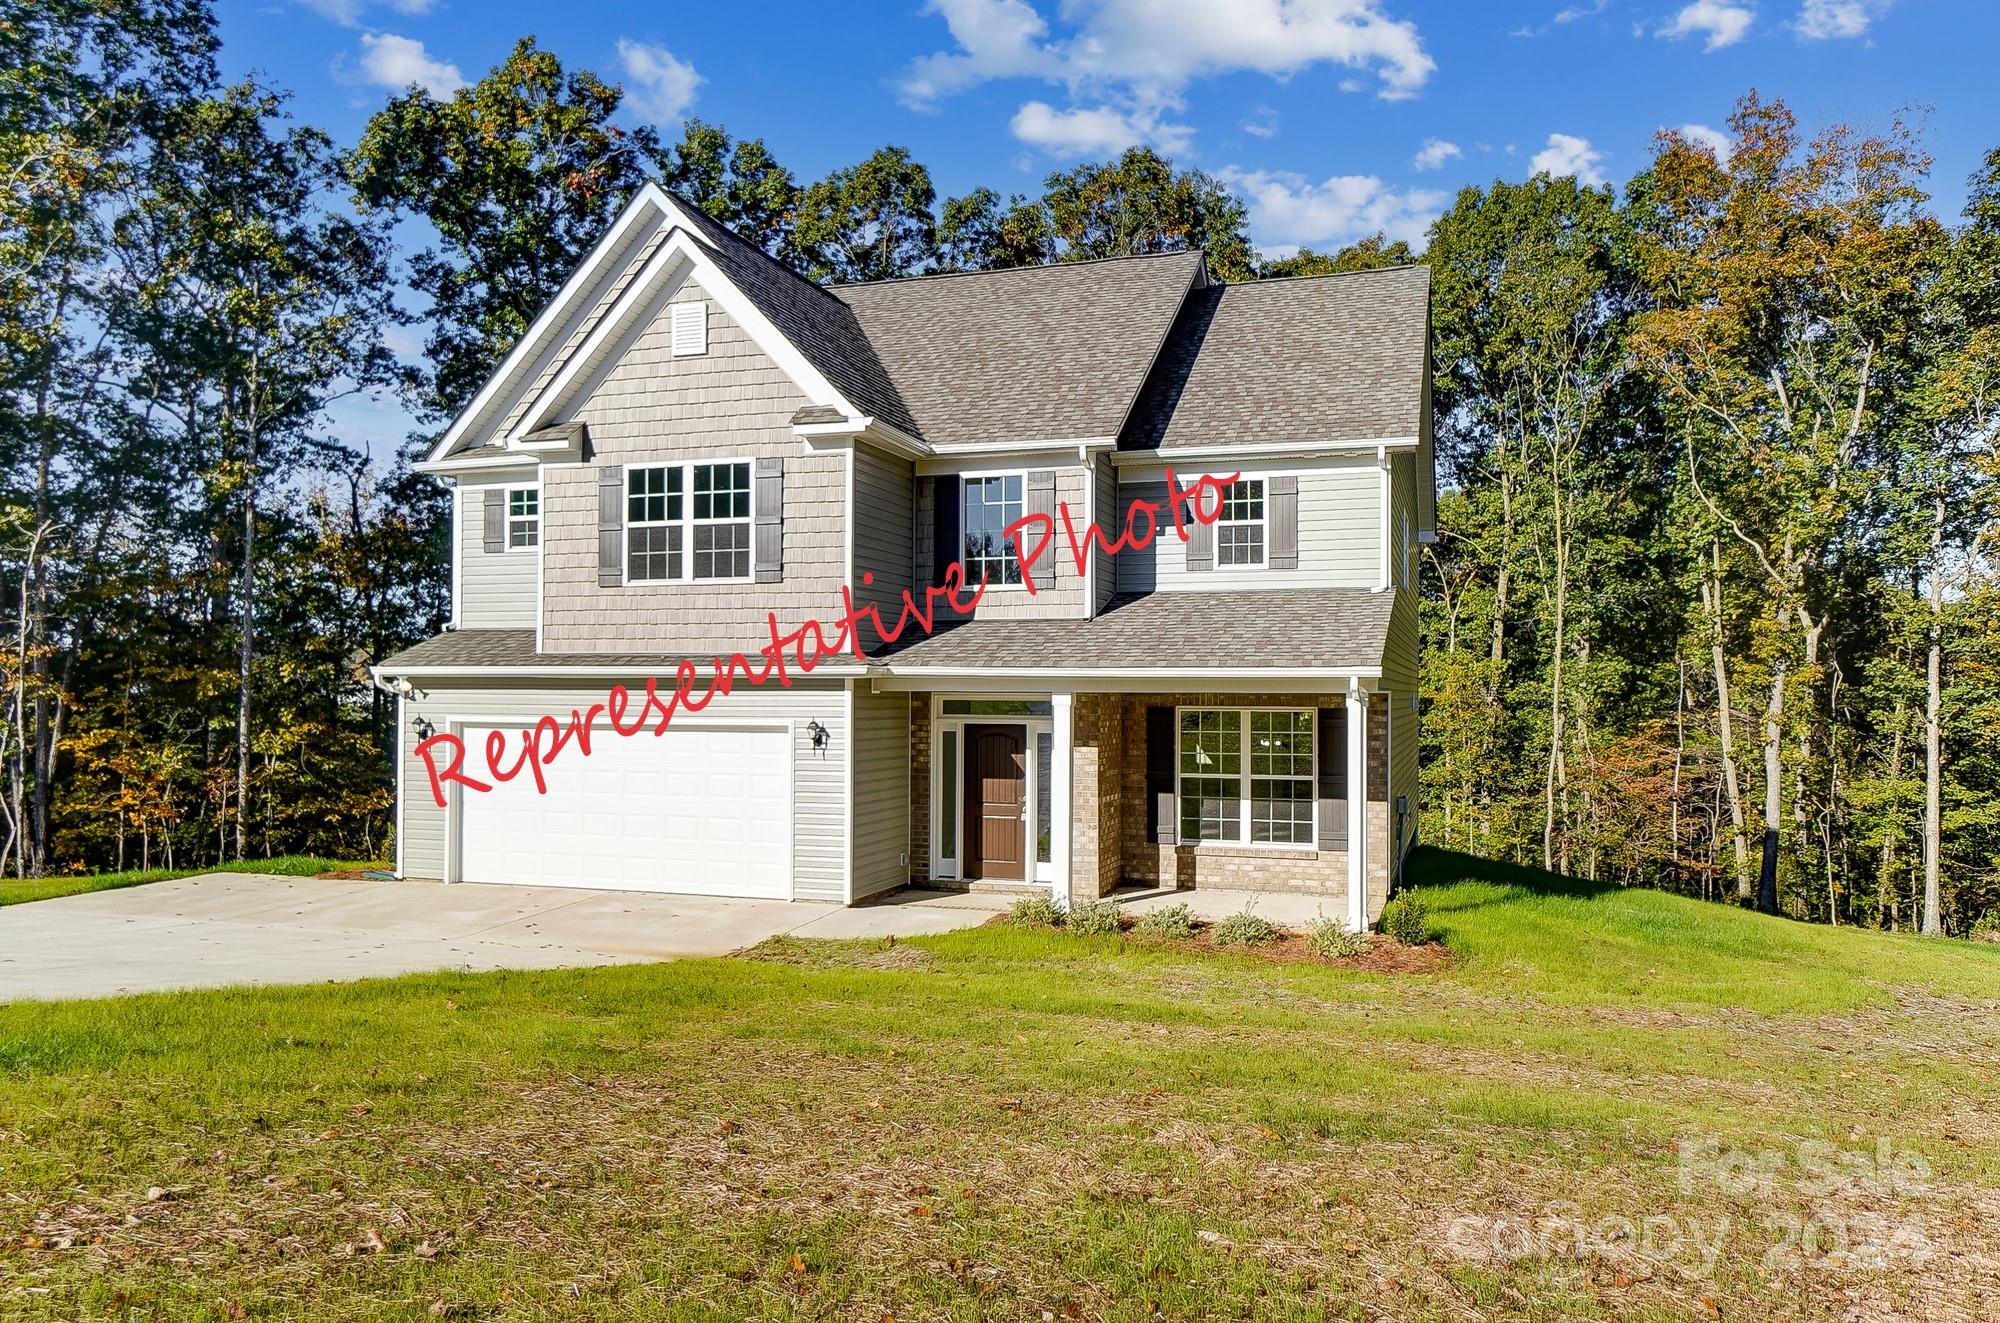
1083 790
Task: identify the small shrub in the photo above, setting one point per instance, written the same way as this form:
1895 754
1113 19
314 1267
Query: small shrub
1244 929
1333 939
1988 927
1175 921
1036 910
1094 918
1407 919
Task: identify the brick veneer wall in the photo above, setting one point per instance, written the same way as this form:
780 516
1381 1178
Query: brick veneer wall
1108 844
1318 871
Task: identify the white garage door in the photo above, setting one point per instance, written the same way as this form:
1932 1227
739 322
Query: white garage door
703 810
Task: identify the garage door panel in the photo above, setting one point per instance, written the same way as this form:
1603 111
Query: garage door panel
700 811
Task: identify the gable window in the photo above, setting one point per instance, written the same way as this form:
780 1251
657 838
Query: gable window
1239 531
1246 775
722 521
991 504
652 524
524 517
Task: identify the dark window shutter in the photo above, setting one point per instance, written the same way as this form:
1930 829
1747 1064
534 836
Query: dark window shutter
1333 778
1201 537
1040 499
1161 813
496 519
1281 512
768 554
610 527
945 515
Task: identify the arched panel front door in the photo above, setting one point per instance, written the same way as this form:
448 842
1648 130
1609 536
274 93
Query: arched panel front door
996 803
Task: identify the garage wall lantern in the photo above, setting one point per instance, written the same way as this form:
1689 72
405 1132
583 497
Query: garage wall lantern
423 727
820 735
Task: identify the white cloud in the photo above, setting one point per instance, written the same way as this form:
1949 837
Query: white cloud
1714 139
1286 210
347 13
660 85
1724 23
1262 124
1093 130
1820 19
1142 54
1567 154
1434 153
394 62
1575 12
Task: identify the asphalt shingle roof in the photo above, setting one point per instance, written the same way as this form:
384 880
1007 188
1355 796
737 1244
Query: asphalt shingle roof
1036 353
1334 629
515 647
1316 358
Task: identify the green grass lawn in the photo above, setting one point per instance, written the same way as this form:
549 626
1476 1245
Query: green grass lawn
1014 1123
17 891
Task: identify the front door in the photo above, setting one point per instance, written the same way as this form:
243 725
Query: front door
996 803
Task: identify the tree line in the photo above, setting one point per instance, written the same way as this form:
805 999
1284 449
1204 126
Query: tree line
1710 608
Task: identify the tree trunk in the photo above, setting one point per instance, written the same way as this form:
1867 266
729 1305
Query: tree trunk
1933 727
1774 729
1711 592
246 649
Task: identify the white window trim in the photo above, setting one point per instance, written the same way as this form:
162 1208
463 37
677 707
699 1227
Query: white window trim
1262 524
978 476
1244 778
535 518
951 868
686 523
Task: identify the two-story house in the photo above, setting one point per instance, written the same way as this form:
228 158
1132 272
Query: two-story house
693 448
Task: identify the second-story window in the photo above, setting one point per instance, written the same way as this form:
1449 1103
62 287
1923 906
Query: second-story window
524 517
652 524
991 504
1239 532
722 521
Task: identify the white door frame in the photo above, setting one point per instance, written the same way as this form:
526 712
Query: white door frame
944 782
454 812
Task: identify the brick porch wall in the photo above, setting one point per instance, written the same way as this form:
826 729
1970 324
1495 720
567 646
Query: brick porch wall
1320 872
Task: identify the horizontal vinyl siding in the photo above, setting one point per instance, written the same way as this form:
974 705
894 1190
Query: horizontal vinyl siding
1059 590
496 589
881 791
1403 736
1111 518
649 407
818 795
1340 517
884 514
1399 653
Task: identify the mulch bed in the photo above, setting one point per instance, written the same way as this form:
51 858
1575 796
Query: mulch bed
1385 955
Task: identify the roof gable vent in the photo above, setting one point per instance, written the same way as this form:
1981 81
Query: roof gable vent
690 328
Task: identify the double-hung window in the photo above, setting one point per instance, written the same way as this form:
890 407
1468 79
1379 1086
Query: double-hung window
1239 531
722 521
652 524
524 517
1246 775
991 505
702 510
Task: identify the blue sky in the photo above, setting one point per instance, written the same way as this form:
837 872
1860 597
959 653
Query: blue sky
1333 118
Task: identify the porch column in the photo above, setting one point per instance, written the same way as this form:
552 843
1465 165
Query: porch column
1061 754
1357 807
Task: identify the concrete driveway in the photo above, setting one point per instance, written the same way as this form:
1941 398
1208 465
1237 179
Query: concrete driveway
230 928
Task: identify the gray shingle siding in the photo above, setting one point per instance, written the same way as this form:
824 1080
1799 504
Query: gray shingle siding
819 793
650 407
